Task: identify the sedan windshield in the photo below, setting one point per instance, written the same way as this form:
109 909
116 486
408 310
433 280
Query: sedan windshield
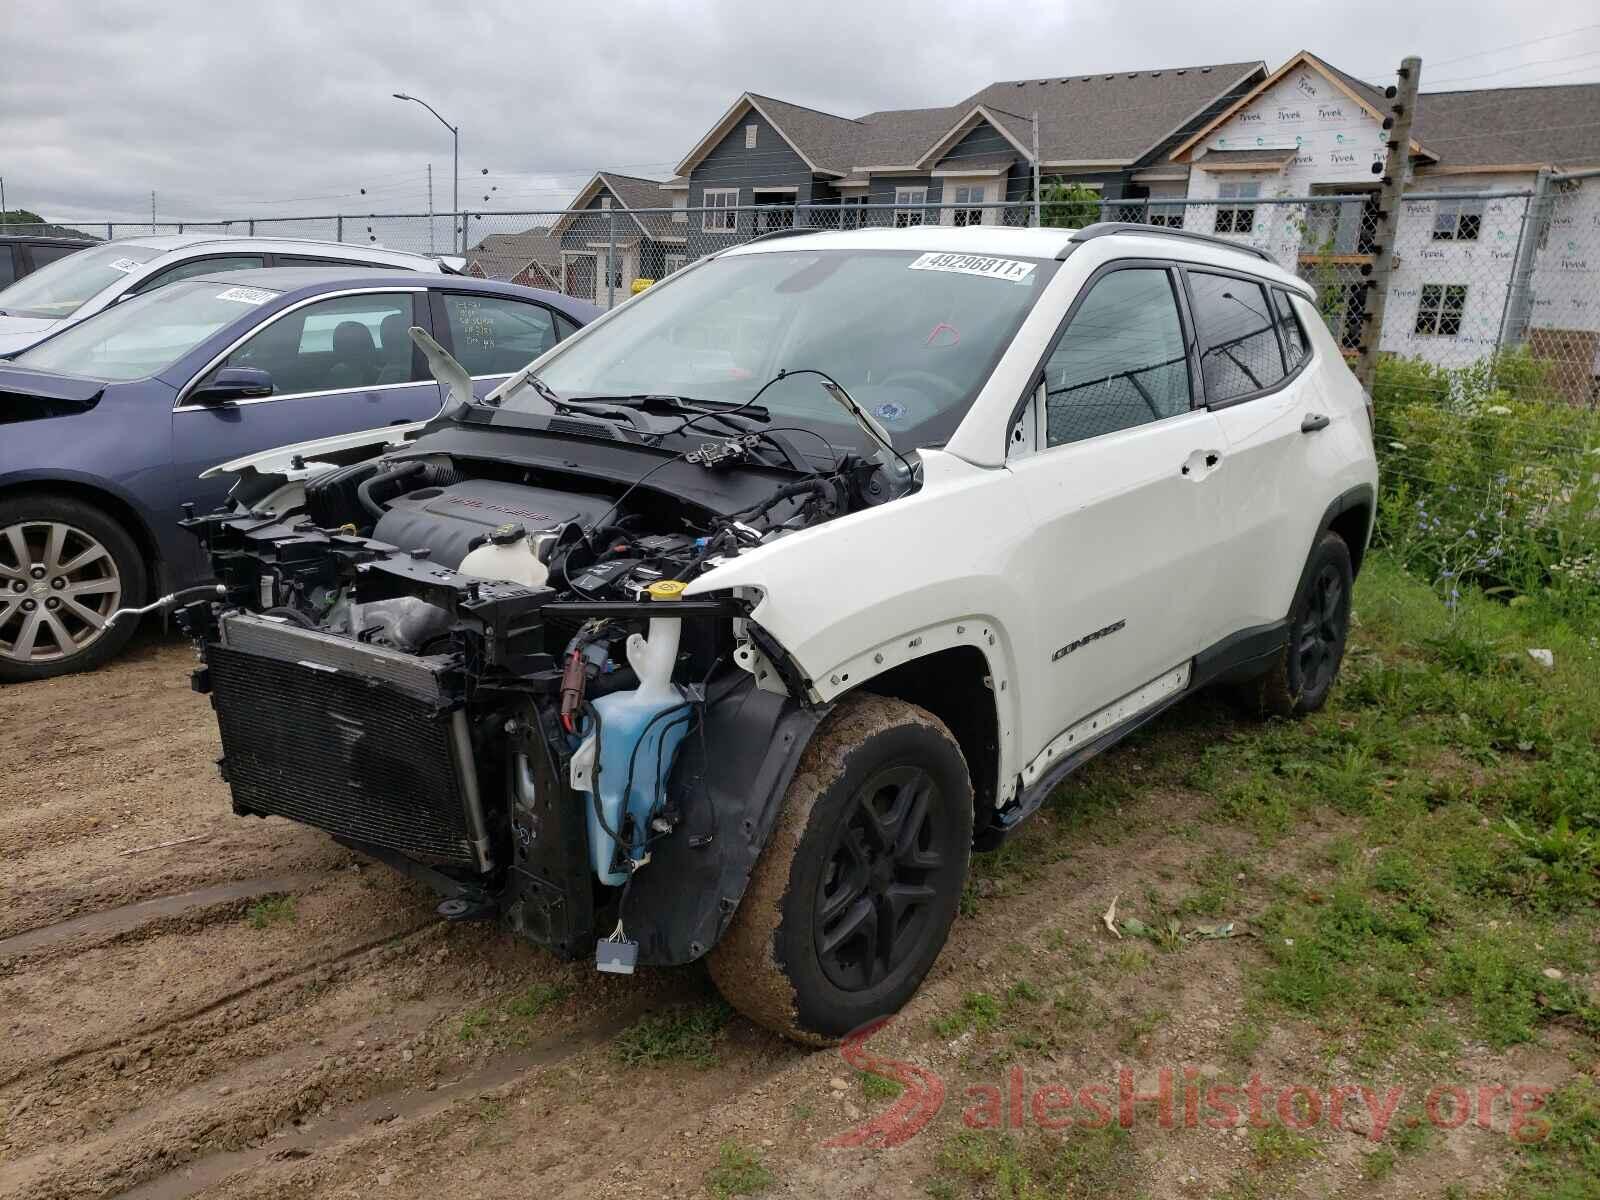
912 336
59 289
145 335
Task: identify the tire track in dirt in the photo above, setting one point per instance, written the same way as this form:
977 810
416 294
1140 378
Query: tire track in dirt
111 923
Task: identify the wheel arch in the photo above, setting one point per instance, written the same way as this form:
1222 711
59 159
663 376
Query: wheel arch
114 505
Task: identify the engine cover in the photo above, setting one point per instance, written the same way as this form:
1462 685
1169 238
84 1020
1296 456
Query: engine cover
445 521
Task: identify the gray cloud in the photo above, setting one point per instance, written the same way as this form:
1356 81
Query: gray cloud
233 109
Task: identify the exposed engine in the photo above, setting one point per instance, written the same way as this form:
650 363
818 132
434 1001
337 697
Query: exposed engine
485 674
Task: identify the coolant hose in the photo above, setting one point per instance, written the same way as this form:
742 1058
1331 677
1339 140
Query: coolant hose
364 490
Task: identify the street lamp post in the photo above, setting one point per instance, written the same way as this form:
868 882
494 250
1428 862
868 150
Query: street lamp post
455 133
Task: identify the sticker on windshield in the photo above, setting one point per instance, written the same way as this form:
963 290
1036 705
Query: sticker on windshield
976 264
126 265
246 295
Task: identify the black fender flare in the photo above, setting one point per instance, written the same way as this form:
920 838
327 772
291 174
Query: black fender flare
727 786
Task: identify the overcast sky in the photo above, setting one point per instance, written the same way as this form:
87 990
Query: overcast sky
233 109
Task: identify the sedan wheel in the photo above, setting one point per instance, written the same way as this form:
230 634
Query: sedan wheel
59 583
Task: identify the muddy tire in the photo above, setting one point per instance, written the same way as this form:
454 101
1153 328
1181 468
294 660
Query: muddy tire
65 566
853 897
1303 673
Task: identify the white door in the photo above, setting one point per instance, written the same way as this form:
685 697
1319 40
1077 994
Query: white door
1118 491
1281 457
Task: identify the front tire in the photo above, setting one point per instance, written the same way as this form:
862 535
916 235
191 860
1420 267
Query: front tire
1303 673
65 567
853 898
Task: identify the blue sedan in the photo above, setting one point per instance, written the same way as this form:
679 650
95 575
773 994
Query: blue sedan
106 427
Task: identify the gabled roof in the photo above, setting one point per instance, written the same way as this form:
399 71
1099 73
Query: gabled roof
1115 116
633 193
1108 118
1368 97
507 255
814 135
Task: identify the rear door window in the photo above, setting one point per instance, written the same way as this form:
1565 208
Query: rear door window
216 265
8 271
1239 353
495 335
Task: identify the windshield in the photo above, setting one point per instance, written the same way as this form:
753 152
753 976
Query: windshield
58 290
145 335
912 336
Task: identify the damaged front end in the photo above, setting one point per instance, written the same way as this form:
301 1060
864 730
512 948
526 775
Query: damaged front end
494 685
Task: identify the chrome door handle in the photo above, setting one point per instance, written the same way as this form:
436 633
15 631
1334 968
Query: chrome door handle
1313 422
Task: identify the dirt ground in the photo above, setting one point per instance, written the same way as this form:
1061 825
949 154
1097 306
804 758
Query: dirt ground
256 1012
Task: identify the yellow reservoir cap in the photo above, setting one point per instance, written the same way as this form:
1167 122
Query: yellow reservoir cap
666 589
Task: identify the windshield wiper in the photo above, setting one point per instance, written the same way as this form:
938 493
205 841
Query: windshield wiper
666 402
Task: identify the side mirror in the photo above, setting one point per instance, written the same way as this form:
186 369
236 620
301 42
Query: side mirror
233 383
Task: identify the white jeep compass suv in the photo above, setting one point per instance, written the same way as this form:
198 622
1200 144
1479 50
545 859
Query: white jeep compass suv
731 625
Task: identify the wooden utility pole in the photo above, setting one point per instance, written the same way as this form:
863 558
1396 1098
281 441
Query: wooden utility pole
1395 170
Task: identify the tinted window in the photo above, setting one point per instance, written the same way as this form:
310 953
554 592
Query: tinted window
8 271
144 335
1121 361
346 342
1238 346
491 335
60 289
295 260
202 266
565 327
43 255
1295 344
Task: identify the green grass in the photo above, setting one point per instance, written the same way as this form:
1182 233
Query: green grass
537 1000
979 1012
1472 780
1086 1162
739 1172
270 910
879 1087
685 1034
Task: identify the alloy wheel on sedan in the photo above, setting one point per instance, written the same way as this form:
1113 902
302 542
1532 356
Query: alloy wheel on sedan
58 586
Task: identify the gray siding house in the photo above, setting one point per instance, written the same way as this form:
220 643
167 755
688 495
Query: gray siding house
1109 131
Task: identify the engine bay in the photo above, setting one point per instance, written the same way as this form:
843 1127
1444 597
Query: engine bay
484 672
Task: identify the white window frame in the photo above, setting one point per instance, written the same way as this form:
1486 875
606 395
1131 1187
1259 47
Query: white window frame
849 219
910 206
1433 315
680 210
750 134
1244 189
719 213
673 262
1451 213
605 203
961 207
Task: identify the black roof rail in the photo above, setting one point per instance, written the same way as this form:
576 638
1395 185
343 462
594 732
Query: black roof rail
1109 228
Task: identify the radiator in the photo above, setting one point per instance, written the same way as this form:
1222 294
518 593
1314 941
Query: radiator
350 739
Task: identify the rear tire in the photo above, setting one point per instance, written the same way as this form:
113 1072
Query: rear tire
1303 672
65 566
853 898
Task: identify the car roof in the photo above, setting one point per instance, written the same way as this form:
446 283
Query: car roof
166 243
1047 243
309 281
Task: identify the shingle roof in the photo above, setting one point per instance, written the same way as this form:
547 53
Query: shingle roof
505 255
1110 117
1115 116
1244 158
1553 125
637 193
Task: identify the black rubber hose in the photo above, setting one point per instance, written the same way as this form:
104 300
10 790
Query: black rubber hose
364 490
